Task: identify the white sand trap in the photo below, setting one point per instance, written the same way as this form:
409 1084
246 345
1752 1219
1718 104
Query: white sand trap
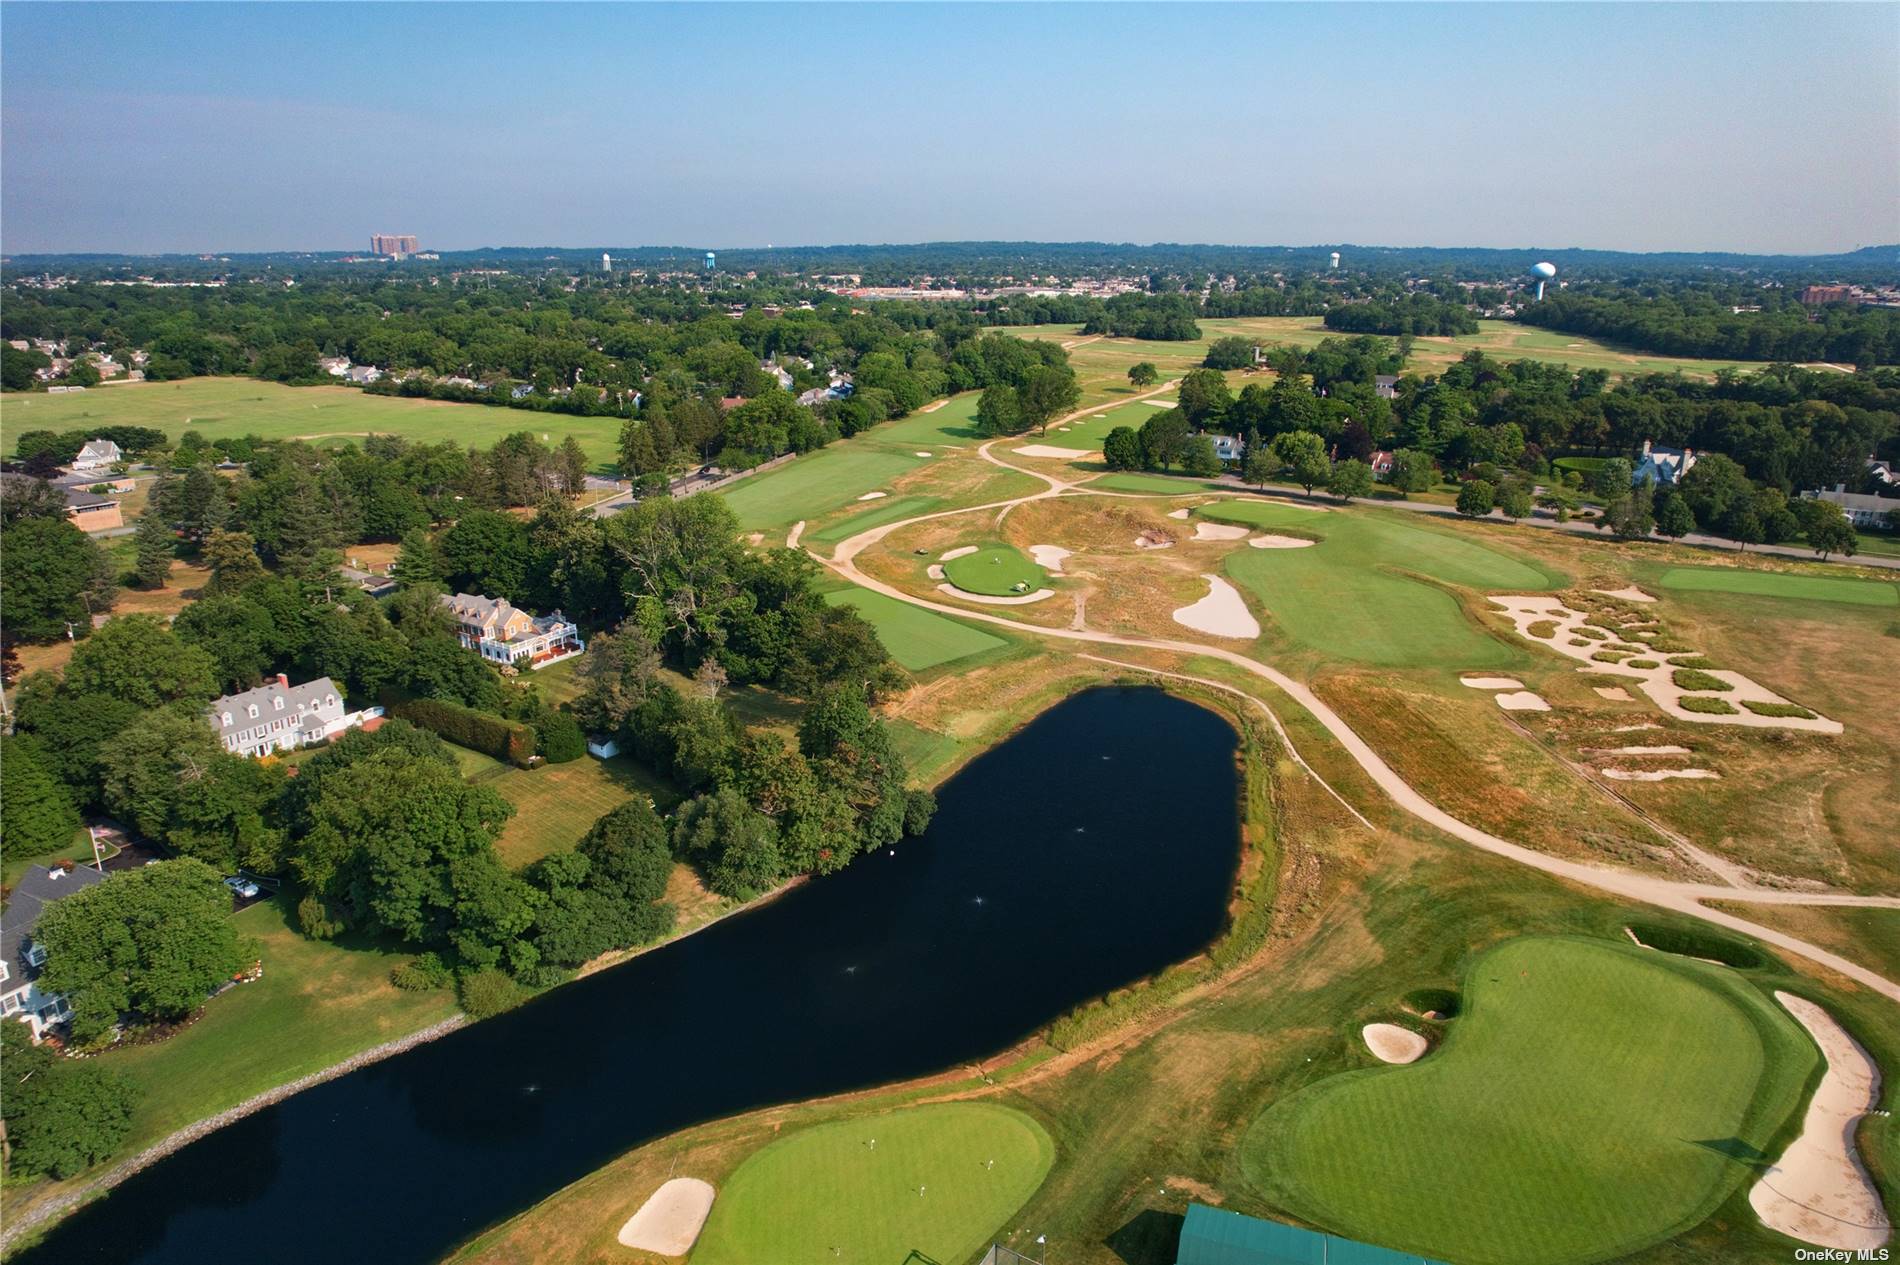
1221 612
1615 693
1156 404
1630 729
669 1222
1219 531
1659 775
1279 542
874 496
961 551
1050 450
1630 594
1648 751
1049 557
921 454
1153 540
1390 1043
934 570
1522 701
1183 512
791 537
1491 682
1818 1191
1020 599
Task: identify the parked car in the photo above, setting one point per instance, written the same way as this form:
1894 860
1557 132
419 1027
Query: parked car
243 886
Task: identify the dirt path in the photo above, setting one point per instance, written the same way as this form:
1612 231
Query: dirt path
1681 897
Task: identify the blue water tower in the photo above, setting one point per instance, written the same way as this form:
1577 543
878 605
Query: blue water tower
710 262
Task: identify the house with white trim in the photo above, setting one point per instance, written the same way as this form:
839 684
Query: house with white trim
21 958
502 632
1662 467
98 454
279 716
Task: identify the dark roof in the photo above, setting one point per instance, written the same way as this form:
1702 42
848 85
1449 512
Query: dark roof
37 889
1215 1236
79 499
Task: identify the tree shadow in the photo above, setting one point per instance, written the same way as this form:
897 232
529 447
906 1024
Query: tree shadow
1746 1153
1152 1237
918 1258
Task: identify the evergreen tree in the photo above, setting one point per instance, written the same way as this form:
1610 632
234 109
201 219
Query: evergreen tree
416 560
153 541
36 810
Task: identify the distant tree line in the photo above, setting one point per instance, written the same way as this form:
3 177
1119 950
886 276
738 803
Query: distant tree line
1701 323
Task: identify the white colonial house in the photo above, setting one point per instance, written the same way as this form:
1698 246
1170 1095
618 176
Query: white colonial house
279 716
1662 467
21 959
98 454
502 632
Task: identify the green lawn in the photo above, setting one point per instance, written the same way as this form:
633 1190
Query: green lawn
889 510
916 638
813 484
556 803
78 848
952 426
1593 1099
1809 588
229 408
1166 485
1350 597
1090 431
997 570
939 1183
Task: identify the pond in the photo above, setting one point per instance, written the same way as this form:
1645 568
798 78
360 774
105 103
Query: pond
1093 848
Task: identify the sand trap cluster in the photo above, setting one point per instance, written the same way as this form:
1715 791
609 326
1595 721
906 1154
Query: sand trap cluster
1390 1043
1525 609
961 551
1019 599
669 1222
1491 682
1050 450
1049 557
1658 775
1280 542
1219 531
1818 1191
1221 612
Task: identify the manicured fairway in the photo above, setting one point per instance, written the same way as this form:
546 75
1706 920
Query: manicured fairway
1348 595
1593 1099
939 1183
954 425
916 638
1166 485
1809 588
813 484
229 408
1089 432
888 510
995 570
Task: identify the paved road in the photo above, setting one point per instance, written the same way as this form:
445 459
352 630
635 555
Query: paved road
1681 897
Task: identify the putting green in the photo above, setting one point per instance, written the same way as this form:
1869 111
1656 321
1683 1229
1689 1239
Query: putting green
813 484
1351 597
995 570
1808 588
916 638
940 1182
1593 1099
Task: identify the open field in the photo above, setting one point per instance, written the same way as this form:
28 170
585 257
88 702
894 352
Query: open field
1591 1100
814 483
1807 588
996 570
556 803
229 408
939 1182
917 639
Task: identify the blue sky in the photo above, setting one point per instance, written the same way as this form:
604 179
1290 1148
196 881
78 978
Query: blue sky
253 127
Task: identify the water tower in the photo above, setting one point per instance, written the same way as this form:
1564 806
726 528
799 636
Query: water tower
711 261
606 262
1335 262
1543 272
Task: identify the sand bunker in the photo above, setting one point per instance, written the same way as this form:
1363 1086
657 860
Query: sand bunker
1279 542
1154 540
934 570
1020 599
1647 751
669 1222
1183 512
1818 1191
1630 594
921 454
1049 557
1522 701
1630 729
1219 531
1657 682
1658 775
1615 693
961 551
1050 450
1221 612
1155 404
1390 1043
873 496
791 537
1491 682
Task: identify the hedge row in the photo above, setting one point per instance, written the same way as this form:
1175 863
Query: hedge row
465 727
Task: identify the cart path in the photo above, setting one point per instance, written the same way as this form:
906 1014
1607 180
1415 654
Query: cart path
1671 894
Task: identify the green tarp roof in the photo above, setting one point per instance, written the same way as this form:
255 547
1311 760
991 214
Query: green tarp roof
1214 1236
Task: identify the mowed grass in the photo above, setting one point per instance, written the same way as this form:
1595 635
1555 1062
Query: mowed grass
814 484
1090 431
1806 588
997 570
916 638
1592 1099
952 425
940 1182
230 408
889 510
1159 484
1349 595
557 803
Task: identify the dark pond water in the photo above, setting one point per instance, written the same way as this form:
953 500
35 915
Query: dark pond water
1095 847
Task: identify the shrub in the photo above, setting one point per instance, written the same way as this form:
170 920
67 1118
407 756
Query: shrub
1692 661
1545 628
1641 663
464 726
1579 641
68 1118
422 974
1670 645
488 992
558 737
1627 648
1691 679
1609 656
1707 706
1777 709
1594 634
